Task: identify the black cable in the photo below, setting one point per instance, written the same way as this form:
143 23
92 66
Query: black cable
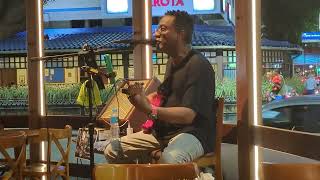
118 104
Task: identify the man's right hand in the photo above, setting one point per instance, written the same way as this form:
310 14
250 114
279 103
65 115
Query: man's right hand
138 98
134 89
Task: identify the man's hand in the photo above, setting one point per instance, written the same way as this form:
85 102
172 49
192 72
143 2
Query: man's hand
138 98
134 89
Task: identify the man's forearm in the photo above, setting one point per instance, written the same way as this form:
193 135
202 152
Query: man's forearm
175 115
149 96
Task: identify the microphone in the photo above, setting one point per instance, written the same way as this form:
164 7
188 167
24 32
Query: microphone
89 69
110 75
97 72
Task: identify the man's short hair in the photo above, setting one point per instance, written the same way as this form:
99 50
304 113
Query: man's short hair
183 22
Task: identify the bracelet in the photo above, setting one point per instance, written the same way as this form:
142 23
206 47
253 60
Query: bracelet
154 113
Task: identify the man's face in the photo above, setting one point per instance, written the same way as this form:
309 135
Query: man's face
166 35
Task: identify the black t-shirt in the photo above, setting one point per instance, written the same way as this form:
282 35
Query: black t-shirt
192 86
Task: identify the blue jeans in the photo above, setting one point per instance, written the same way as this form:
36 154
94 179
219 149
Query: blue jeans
137 147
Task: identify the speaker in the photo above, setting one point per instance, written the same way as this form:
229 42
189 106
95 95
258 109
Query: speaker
126 110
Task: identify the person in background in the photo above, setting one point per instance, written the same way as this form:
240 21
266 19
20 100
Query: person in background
185 120
310 85
277 82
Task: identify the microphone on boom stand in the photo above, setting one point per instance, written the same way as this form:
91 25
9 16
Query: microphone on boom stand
95 71
88 64
87 57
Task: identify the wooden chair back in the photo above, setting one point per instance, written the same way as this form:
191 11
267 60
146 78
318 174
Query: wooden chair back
292 171
15 140
55 136
186 171
59 168
214 159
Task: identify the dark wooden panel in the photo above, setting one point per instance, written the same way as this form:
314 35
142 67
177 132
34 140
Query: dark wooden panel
8 77
79 170
293 142
60 121
229 130
229 133
53 121
14 121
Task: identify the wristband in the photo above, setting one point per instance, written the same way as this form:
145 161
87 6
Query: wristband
154 113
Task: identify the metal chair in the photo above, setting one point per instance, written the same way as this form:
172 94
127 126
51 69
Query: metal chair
186 171
14 165
292 171
46 167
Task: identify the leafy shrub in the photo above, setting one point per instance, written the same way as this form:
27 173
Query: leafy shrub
66 94
57 94
227 89
296 83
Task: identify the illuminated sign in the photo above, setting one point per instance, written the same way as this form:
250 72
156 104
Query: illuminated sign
200 5
62 10
165 3
159 7
309 37
117 6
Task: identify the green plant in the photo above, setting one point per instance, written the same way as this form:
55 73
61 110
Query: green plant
14 92
296 83
67 93
62 93
266 87
227 89
57 94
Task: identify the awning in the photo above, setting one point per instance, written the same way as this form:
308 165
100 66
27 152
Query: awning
307 58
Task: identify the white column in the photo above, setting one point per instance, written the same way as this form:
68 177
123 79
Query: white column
35 44
248 50
142 53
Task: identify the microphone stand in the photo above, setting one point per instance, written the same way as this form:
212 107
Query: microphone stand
91 125
89 85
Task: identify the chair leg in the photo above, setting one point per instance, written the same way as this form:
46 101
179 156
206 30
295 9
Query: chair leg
155 156
65 177
218 174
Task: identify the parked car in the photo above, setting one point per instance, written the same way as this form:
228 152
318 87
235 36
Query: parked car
301 113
